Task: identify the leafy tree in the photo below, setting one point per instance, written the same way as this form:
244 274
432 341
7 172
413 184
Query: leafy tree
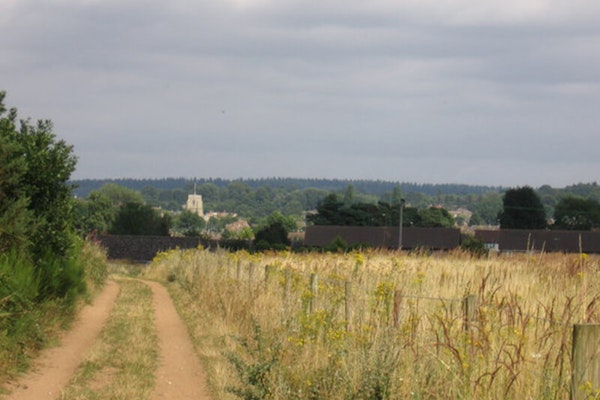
575 213
349 195
394 197
119 195
287 221
40 178
16 222
36 207
96 213
272 236
435 217
140 219
522 209
486 209
210 193
150 195
410 217
328 212
189 223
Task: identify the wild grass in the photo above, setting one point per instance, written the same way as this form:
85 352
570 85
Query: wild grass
381 325
122 364
31 320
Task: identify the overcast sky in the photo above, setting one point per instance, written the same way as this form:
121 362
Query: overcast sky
494 92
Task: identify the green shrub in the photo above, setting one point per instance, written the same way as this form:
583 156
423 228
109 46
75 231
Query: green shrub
61 278
36 300
473 245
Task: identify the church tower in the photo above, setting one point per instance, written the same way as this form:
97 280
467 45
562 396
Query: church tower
194 203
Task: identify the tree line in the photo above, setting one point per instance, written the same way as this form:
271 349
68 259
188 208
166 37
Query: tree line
255 200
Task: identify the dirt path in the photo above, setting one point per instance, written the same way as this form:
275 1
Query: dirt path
53 369
179 377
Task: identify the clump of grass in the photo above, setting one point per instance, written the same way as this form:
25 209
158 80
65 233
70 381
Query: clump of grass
253 365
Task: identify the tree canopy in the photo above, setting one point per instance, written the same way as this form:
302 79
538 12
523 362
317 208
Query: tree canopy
333 211
35 167
36 206
522 209
140 219
577 213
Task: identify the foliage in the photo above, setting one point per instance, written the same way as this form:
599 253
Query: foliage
29 320
140 219
95 214
435 217
16 220
37 168
254 371
576 213
486 208
294 197
188 223
473 245
522 209
36 203
118 195
42 262
338 245
272 236
288 222
332 211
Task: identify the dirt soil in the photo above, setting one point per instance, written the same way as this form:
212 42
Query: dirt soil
179 376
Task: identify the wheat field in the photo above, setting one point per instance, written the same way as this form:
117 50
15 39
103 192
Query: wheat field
384 325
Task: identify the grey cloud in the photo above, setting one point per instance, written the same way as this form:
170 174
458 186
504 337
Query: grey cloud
243 87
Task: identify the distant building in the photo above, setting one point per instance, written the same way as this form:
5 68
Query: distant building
194 204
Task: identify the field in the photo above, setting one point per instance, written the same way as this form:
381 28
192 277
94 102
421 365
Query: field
384 325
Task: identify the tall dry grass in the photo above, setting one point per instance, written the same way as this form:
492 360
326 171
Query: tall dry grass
380 325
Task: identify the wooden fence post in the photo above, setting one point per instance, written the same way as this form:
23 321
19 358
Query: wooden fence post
288 284
239 270
469 304
251 275
347 304
268 269
396 310
585 383
314 285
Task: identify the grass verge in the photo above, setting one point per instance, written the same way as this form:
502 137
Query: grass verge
30 322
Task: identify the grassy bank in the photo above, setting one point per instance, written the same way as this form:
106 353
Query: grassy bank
383 325
30 319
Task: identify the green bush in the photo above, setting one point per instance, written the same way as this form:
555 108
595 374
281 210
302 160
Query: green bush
61 278
37 300
473 245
